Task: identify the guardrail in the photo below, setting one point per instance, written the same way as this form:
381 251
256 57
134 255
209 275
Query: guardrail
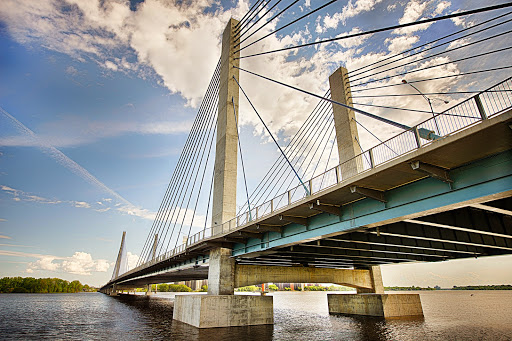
463 115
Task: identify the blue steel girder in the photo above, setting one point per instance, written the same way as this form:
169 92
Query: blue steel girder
480 181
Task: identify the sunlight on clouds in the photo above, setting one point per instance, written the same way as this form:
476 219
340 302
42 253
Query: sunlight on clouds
132 260
81 263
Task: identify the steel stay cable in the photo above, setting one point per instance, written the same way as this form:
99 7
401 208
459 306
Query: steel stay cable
428 43
432 66
428 57
294 147
184 152
326 123
361 149
285 26
395 108
435 78
323 151
190 141
209 200
432 93
184 182
246 14
270 133
384 143
206 112
326 117
249 19
241 156
212 132
178 166
238 33
286 171
280 161
175 208
328 159
382 119
453 15
268 22
412 110
287 187
256 22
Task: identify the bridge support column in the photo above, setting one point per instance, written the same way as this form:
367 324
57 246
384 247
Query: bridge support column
374 302
345 124
221 308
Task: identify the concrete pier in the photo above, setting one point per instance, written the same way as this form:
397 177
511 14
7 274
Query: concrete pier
211 311
382 305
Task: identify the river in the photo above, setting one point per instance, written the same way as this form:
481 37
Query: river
449 315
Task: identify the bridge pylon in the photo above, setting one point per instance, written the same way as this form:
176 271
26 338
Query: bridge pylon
221 308
376 302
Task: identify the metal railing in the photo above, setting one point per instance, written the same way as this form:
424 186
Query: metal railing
463 115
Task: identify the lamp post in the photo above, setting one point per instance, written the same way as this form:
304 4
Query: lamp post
429 103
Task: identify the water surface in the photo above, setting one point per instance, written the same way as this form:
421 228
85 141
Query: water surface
449 315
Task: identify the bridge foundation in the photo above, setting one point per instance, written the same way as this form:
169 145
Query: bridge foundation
372 301
382 305
212 311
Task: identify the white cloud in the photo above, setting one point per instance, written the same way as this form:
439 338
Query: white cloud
401 43
350 10
44 263
71 131
130 209
80 263
4 237
1 219
168 37
441 7
132 259
81 204
413 12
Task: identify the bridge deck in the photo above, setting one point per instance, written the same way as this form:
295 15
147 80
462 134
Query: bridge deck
438 235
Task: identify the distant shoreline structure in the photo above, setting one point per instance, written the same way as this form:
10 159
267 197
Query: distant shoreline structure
455 287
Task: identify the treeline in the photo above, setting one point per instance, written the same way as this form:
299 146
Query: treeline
41 285
412 288
173 288
484 287
455 287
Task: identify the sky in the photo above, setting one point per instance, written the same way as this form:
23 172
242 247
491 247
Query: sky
97 99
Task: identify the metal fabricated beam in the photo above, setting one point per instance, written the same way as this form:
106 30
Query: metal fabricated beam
369 193
348 245
296 220
421 222
269 228
431 170
492 209
249 235
417 231
359 254
388 241
331 209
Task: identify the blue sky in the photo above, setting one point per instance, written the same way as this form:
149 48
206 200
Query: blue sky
98 101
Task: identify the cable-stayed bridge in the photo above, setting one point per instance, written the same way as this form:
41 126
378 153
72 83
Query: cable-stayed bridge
329 211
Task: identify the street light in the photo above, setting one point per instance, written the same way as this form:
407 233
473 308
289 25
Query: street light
429 103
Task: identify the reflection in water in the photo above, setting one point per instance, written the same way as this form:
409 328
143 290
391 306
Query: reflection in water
297 316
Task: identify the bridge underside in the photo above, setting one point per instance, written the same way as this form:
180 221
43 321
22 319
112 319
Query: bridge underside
467 232
455 203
